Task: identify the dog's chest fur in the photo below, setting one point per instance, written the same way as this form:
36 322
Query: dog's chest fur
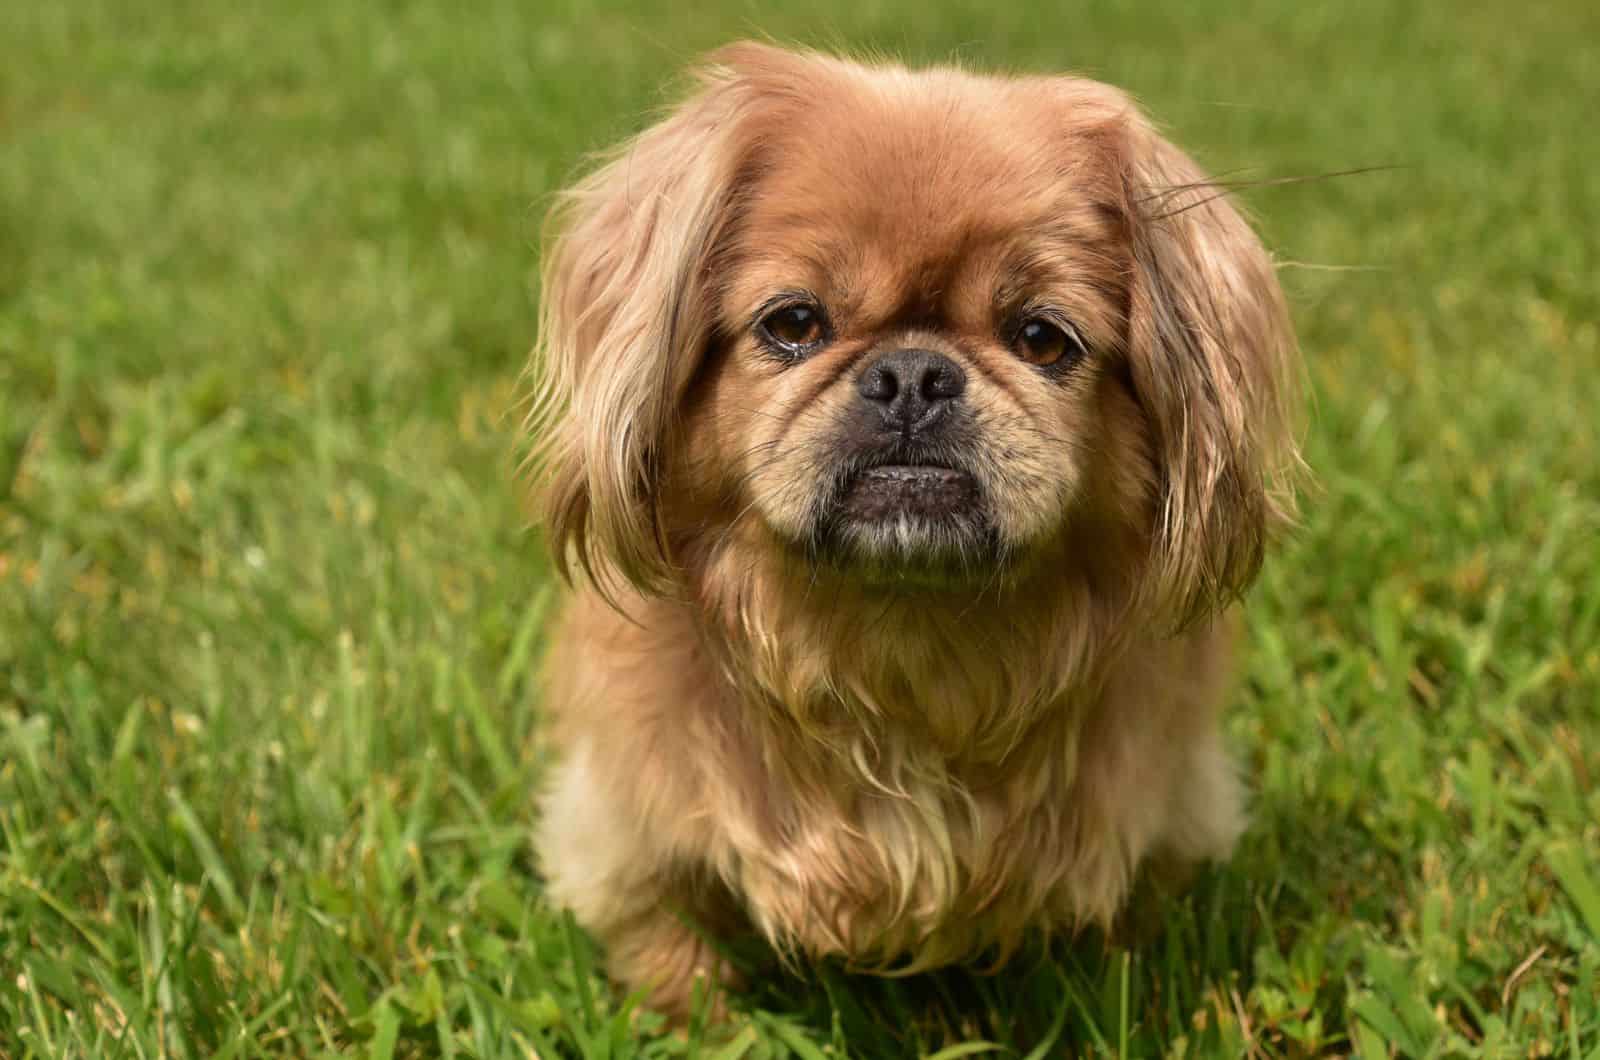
908 821
901 789
911 867
896 816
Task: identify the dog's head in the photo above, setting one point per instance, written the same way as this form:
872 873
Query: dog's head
915 329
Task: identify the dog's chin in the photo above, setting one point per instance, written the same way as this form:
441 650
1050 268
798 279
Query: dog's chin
909 526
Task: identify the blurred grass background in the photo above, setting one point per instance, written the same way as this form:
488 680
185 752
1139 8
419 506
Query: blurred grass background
269 613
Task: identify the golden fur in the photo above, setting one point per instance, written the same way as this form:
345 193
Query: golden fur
908 749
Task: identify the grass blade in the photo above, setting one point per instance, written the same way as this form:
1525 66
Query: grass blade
204 849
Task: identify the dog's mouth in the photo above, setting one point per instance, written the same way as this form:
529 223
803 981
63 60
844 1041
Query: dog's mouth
908 522
907 491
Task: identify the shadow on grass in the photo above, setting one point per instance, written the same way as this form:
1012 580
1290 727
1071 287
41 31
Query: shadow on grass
1141 985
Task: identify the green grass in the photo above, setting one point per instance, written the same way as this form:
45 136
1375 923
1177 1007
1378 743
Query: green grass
269 613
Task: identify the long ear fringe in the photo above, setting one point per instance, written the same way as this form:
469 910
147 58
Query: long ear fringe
623 318
1216 364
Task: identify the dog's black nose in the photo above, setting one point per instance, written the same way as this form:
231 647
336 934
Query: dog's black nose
911 387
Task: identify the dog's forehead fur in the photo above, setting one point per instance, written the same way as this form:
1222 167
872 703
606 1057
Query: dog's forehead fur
935 192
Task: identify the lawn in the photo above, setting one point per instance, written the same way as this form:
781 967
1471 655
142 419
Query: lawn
270 613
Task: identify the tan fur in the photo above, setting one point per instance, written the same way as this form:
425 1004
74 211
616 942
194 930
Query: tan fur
903 773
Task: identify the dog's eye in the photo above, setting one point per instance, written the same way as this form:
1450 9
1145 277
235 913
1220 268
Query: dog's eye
793 328
1043 342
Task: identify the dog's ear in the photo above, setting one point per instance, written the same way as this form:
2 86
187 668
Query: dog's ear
626 313
1214 363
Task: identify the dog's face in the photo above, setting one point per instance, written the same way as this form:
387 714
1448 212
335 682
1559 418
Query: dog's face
919 329
919 320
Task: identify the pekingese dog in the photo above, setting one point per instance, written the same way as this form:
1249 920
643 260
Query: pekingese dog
907 436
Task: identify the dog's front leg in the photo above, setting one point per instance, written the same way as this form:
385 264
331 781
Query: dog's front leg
655 913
